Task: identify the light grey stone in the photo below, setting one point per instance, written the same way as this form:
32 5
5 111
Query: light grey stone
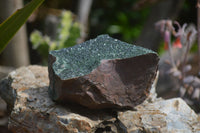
26 89
166 116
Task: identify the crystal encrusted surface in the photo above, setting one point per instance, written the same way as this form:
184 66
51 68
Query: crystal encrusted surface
83 58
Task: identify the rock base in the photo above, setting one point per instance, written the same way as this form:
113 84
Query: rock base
31 110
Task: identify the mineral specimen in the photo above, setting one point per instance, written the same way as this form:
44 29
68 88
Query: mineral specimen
102 73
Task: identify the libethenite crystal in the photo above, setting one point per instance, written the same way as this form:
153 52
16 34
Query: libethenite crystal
102 73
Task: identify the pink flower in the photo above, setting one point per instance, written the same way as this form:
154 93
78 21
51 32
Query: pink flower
177 43
166 39
166 46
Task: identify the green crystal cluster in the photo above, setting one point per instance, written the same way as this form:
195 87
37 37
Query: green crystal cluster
82 58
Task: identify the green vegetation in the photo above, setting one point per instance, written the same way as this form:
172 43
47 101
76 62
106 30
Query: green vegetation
68 32
118 19
10 26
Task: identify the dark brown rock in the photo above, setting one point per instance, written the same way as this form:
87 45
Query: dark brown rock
102 73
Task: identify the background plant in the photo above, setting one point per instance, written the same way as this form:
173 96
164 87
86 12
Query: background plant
10 26
184 37
67 34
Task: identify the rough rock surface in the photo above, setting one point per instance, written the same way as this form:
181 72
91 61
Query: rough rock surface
162 116
102 73
3 116
26 92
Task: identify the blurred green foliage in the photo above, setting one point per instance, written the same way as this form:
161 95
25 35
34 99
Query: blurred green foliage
68 32
12 24
194 48
118 19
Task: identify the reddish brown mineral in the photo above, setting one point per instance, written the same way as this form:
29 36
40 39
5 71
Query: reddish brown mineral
116 75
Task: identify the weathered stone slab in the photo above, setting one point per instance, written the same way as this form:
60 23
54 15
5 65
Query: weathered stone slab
161 116
102 73
25 90
32 111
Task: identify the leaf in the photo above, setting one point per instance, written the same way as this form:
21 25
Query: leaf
10 26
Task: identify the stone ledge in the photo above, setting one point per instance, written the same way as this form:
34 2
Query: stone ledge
31 110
